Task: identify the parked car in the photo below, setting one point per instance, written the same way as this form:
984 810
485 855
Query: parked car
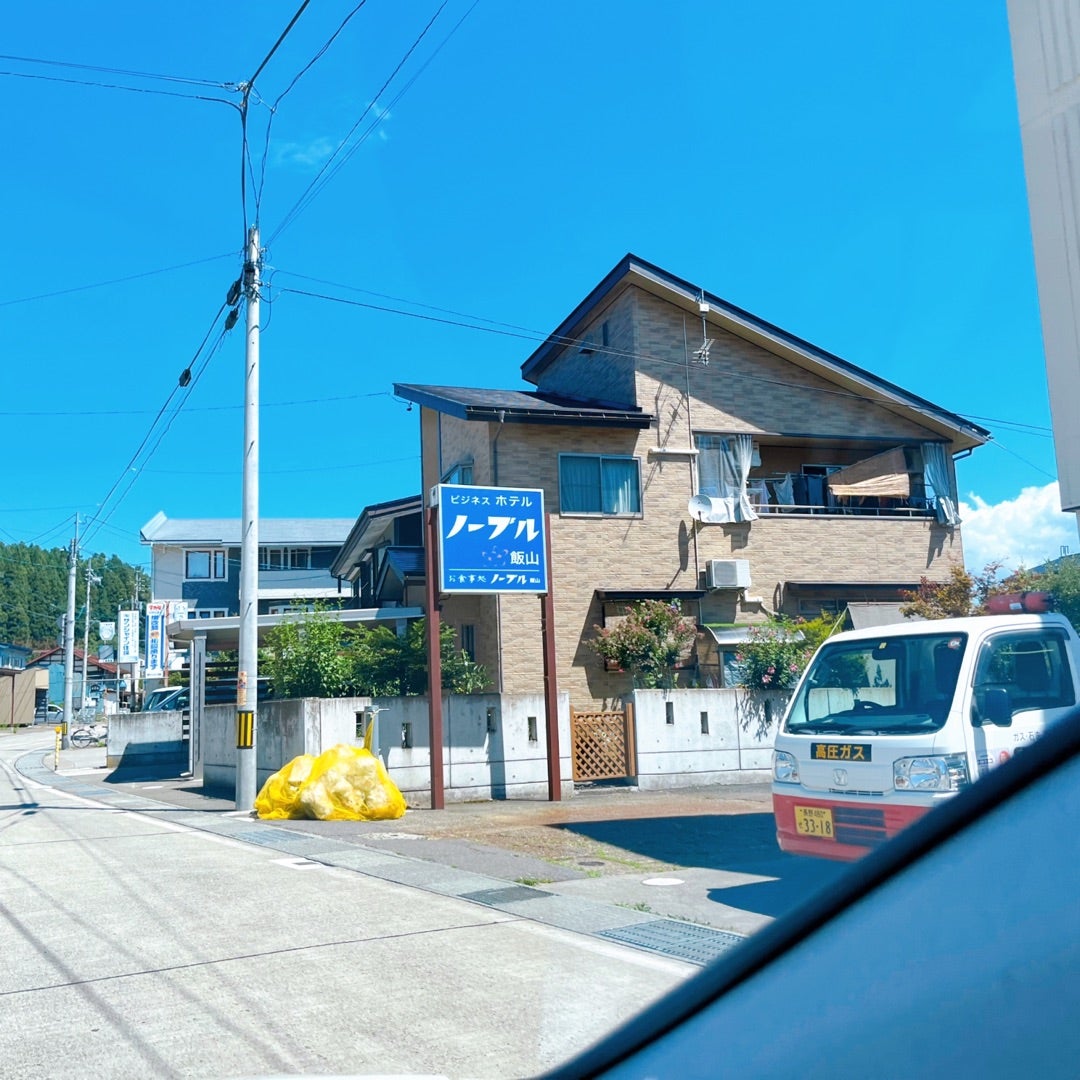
49 714
167 698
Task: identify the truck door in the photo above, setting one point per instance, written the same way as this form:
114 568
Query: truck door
1022 682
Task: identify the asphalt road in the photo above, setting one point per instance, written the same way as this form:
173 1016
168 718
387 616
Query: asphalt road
140 942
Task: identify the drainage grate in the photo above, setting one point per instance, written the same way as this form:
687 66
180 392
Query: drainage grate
686 941
511 895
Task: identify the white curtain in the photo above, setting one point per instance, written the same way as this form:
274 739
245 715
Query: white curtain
724 463
938 476
741 451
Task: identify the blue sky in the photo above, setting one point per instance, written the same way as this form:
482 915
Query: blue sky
851 172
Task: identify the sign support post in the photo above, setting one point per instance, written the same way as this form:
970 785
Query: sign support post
434 653
551 688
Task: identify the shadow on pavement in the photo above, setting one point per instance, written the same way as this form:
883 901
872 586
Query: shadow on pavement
739 842
734 843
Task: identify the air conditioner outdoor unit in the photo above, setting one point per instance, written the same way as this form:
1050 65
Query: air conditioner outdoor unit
727 574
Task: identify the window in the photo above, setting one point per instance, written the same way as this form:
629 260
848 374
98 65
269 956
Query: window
290 609
205 565
211 613
1032 667
593 484
468 641
461 473
284 558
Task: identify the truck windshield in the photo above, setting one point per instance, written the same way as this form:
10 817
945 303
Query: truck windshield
880 686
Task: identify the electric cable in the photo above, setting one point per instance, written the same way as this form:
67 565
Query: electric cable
387 109
246 88
278 100
118 86
116 281
313 189
157 419
97 521
120 71
560 339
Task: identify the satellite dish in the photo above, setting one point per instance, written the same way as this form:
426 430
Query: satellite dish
700 507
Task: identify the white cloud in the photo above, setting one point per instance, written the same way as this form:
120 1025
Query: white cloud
307 155
1024 531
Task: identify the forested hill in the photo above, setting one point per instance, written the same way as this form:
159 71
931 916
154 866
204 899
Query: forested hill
33 594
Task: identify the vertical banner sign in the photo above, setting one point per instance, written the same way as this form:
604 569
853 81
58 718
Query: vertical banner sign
491 540
128 651
155 639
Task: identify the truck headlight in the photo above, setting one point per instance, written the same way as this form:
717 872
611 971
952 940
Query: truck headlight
946 773
785 768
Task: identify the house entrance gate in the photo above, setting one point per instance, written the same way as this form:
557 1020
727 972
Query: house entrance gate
603 744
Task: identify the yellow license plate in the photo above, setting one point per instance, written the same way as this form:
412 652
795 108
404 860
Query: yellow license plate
814 821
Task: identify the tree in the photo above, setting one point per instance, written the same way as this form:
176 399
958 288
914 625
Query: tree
316 656
962 594
648 642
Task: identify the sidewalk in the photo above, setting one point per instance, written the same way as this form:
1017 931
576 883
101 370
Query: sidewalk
704 858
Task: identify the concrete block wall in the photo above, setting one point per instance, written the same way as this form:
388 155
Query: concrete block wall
673 751
147 740
487 752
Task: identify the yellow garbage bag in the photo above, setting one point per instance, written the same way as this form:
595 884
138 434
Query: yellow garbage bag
280 795
344 783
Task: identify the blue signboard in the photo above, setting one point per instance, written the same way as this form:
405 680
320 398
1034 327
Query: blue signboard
491 540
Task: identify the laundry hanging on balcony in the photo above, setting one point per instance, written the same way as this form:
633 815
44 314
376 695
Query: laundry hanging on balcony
881 476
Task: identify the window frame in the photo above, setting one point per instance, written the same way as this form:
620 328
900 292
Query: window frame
601 458
215 557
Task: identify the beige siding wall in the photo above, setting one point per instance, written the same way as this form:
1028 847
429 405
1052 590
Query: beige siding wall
599 375
466 441
744 387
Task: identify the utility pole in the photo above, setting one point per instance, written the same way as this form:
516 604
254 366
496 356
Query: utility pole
69 633
247 676
91 579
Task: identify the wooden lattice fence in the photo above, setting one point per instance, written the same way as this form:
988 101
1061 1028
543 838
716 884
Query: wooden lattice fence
603 742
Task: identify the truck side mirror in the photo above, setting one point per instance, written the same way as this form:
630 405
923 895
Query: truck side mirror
997 707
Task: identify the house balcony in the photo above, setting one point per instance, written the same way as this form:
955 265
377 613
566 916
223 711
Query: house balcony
289 584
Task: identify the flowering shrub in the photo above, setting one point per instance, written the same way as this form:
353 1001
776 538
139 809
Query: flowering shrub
774 657
649 642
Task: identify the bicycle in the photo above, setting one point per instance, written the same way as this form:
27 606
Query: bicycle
89 735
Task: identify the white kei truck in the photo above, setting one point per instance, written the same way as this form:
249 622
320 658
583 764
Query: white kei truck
889 721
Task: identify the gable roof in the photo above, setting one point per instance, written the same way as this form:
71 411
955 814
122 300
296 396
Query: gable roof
633 271
46 656
307 531
522 406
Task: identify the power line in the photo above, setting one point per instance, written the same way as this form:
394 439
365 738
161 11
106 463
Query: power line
95 523
118 86
1034 429
149 432
245 153
121 71
559 339
285 472
200 408
322 177
296 78
115 281
1029 464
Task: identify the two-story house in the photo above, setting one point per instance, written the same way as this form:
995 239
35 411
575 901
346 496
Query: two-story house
690 450
198 561
382 558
